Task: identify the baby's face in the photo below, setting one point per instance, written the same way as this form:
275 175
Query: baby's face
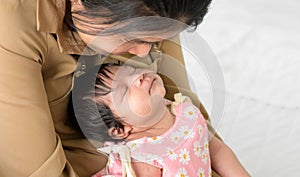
137 95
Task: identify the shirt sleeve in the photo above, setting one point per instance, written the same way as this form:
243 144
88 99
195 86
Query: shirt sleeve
29 145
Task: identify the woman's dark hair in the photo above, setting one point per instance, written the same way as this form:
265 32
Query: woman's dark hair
92 116
99 12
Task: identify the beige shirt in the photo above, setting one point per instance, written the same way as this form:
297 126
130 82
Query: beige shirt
36 74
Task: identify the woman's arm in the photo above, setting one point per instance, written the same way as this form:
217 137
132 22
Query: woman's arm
224 161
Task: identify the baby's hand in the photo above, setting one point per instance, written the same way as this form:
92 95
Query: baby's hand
146 170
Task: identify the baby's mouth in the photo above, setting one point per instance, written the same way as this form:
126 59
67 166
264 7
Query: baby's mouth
151 85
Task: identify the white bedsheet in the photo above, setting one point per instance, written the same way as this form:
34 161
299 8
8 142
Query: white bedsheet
257 44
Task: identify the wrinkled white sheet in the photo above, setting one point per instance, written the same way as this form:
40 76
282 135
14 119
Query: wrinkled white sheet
257 44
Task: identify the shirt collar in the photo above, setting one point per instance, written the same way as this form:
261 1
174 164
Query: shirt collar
50 16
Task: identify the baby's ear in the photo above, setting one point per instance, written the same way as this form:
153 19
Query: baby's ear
119 133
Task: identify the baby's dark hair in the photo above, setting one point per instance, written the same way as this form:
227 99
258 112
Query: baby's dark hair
101 89
92 116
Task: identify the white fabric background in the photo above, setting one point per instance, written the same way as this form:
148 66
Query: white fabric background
257 44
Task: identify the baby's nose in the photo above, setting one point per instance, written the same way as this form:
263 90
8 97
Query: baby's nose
140 79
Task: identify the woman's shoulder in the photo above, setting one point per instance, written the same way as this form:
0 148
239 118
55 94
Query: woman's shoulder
16 14
18 30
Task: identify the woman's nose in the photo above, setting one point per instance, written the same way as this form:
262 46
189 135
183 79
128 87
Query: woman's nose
140 50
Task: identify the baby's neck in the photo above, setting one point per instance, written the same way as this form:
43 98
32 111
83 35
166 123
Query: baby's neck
159 128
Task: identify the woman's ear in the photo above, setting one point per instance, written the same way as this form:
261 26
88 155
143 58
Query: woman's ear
119 133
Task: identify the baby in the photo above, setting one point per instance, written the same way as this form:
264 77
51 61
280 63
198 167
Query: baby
172 137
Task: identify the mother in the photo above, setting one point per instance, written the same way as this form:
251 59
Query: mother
39 39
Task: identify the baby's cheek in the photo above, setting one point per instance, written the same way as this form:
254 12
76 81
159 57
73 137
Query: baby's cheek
138 101
140 107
